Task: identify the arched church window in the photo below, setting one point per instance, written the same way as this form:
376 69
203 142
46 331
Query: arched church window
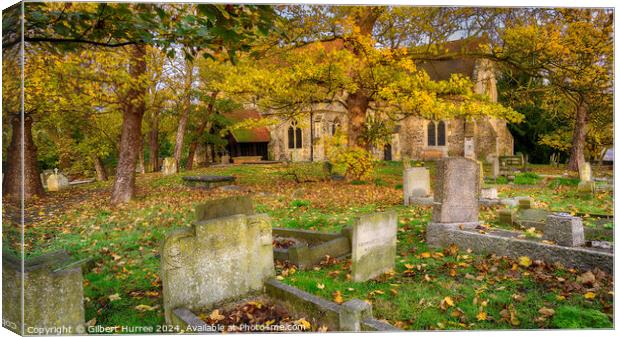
436 133
294 136
432 141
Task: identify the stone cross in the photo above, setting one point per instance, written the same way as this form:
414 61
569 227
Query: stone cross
373 245
456 190
216 261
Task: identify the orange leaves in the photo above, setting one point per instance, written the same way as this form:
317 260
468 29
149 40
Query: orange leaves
446 302
337 296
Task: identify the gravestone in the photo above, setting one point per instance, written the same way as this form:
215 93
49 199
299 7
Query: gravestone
468 148
525 202
225 159
373 245
416 183
169 166
216 261
456 190
224 207
586 185
44 175
57 182
495 167
506 216
488 193
564 229
53 294
532 217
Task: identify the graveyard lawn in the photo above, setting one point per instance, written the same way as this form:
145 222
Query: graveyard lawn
429 289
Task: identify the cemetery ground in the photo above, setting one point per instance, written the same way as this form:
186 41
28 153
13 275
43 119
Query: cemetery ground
429 288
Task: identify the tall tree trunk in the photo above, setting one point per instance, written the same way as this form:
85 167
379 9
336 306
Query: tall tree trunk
579 136
204 125
178 144
357 104
12 182
131 133
154 145
102 175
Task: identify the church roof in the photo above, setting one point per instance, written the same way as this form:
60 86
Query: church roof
440 70
255 135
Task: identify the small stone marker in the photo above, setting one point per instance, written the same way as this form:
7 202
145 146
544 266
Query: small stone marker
169 166
416 183
525 203
495 172
220 208
352 313
456 190
506 216
468 148
586 184
53 294
488 193
565 230
215 261
373 244
57 182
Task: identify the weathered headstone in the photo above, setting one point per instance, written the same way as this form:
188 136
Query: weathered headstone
495 167
525 202
416 183
220 208
225 159
44 175
488 193
532 217
373 245
57 182
216 261
53 294
564 229
456 191
506 216
169 166
586 185
468 148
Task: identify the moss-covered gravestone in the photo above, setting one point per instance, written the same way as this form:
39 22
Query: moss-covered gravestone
218 208
53 297
216 261
373 245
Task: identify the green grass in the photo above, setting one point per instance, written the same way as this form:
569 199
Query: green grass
124 242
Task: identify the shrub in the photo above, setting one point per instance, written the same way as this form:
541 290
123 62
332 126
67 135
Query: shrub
527 178
300 203
570 317
358 164
563 182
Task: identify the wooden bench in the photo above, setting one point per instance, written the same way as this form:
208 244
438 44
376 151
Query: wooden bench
511 164
246 159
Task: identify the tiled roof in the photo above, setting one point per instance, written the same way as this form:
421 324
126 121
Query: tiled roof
255 135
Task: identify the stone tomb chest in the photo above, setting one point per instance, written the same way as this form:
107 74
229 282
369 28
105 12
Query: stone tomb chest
229 259
53 294
306 249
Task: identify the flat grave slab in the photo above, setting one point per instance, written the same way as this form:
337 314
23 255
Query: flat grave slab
306 249
208 181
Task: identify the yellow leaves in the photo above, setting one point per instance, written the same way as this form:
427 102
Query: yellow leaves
216 316
114 297
144 307
337 296
481 316
525 261
446 303
589 295
304 323
425 255
320 286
